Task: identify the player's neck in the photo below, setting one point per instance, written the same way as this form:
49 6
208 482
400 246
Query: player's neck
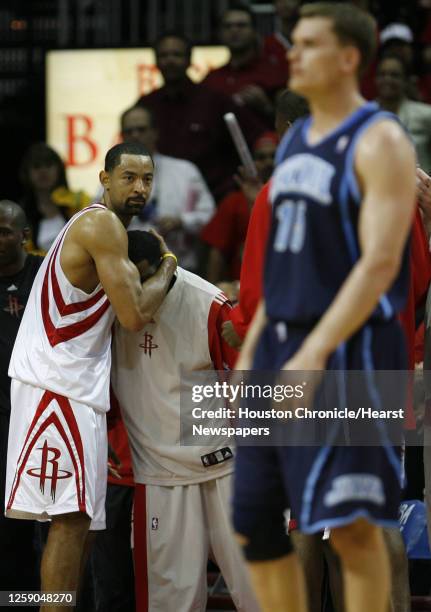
125 219
328 112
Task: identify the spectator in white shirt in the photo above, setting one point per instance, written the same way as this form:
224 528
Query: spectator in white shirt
181 203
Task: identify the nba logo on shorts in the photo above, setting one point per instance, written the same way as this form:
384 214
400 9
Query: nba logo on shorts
154 523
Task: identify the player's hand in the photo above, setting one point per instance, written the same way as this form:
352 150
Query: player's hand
306 367
244 361
114 464
230 336
230 289
423 184
249 185
163 246
168 224
113 471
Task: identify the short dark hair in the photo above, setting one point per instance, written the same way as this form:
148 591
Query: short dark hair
241 7
137 106
114 154
143 245
291 106
174 34
15 213
351 25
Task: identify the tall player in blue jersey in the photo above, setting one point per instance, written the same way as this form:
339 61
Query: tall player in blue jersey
336 275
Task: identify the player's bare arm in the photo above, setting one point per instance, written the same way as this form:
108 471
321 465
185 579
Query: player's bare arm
96 249
248 349
385 168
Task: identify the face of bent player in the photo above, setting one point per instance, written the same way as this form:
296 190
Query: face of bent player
11 241
129 184
145 269
317 60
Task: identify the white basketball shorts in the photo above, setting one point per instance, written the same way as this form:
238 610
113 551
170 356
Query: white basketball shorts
175 530
56 458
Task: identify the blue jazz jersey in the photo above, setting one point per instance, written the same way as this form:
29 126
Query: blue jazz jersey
314 234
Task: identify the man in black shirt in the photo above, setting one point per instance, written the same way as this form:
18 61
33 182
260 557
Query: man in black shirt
18 560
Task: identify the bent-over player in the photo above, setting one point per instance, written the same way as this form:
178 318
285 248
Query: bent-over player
182 493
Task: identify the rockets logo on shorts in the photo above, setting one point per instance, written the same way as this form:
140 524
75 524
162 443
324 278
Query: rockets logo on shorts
49 469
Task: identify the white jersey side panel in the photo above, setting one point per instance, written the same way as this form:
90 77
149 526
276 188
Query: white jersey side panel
146 378
64 340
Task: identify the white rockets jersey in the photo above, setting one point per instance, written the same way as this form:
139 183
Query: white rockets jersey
64 340
146 378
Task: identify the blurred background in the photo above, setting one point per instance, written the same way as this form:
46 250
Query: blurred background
29 72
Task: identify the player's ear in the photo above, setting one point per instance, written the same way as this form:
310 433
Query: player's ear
104 178
351 58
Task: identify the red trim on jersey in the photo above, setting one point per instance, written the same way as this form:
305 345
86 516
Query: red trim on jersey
140 548
222 355
62 307
56 335
53 419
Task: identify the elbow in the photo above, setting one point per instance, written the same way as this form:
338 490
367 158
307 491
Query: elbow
382 271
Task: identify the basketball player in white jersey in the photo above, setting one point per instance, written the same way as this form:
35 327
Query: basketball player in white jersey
60 365
182 493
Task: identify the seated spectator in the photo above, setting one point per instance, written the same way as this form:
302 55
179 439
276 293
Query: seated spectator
47 200
416 116
189 117
248 76
226 231
181 203
397 39
19 567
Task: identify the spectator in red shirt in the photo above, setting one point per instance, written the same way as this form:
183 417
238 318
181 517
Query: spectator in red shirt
248 76
189 117
226 231
289 107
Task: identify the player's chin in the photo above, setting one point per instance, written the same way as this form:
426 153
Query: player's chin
298 85
133 209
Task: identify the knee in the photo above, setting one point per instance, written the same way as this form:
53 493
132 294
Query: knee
356 539
75 524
